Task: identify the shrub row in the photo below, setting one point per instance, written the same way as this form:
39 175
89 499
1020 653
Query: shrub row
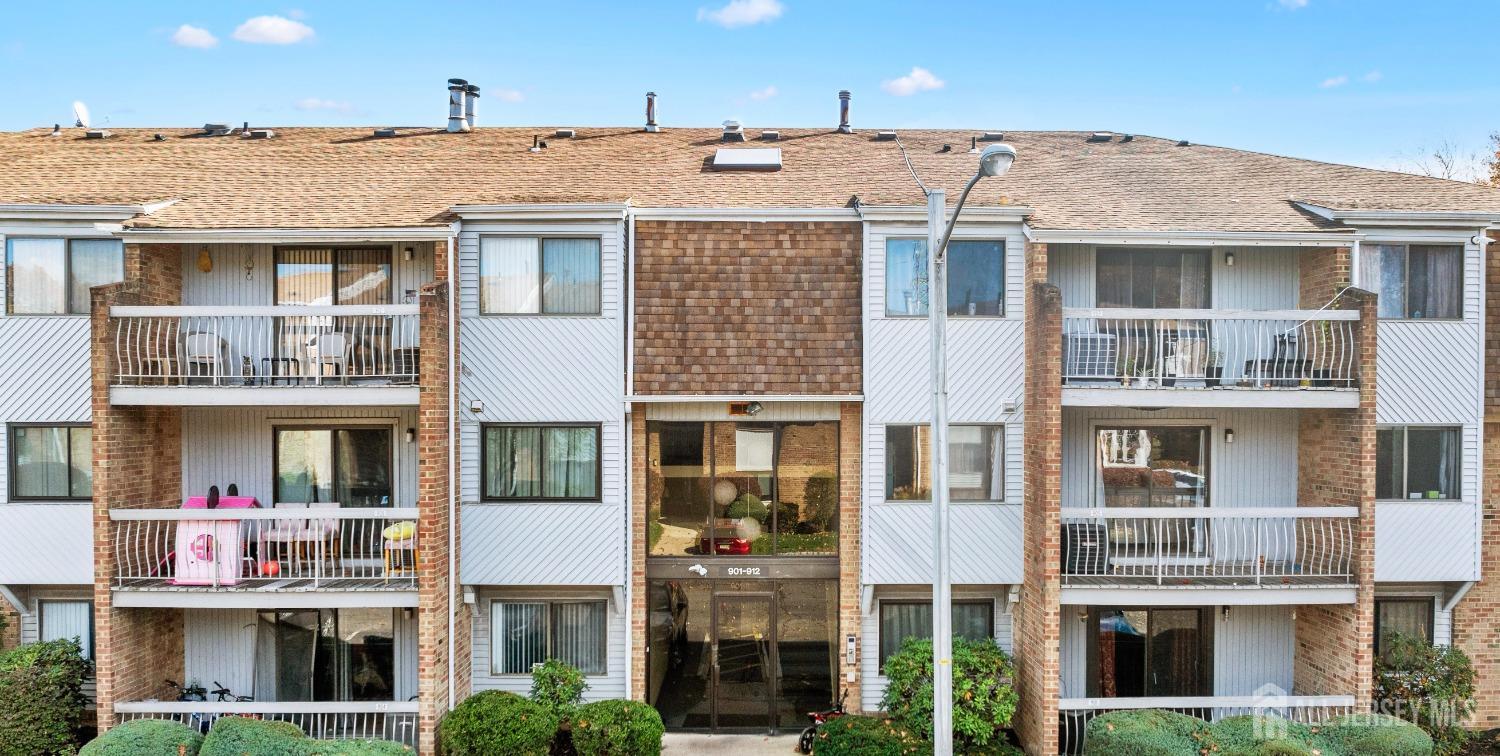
229 736
1152 732
503 722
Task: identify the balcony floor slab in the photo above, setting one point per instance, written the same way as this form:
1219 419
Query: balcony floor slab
262 396
1286 398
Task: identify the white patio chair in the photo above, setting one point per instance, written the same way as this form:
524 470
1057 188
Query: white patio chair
330 349
204 350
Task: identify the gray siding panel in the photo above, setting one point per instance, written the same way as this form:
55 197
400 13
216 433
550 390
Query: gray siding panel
898 543
1426 541
609 685
47 544
542 544
230 283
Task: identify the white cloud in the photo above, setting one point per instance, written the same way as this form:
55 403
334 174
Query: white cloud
761 95
1293 4
297 13
1334 81
742 13
315 103
1372 77
188 35
273 30
919 80
504 95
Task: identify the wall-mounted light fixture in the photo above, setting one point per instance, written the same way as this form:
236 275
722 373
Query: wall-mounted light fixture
1229 259
408 253
476 406
205 261
1228 435
1225 612
411 435
753 408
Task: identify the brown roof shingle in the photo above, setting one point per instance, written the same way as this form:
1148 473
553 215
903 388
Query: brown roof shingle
345 178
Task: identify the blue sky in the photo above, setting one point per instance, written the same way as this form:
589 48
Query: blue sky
1358 81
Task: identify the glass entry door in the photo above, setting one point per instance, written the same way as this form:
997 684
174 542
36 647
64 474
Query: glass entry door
744 662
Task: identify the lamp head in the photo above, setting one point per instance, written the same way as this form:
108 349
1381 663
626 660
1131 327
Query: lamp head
995 160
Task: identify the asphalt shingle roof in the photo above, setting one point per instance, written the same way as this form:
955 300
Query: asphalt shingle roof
346 178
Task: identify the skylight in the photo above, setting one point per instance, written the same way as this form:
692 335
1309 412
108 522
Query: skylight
747 159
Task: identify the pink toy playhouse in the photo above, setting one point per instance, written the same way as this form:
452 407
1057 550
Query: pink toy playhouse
209 551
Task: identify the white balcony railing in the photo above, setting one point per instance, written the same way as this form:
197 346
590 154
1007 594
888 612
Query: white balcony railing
1224 546
1146 348
290 547
1076 712
330 720
265 346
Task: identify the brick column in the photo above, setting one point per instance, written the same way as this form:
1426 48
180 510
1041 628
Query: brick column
1322 273
851 461
137 464
1037 631
1336 467
638 624
10 635
437 590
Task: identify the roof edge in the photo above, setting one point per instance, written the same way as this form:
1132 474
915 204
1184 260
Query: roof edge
59 211
543 211
285 235
1425 218
1188 238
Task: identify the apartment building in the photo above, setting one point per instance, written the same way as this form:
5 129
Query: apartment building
656 401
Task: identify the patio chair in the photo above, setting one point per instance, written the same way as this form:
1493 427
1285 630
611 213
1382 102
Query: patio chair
201 351
297 540
330 349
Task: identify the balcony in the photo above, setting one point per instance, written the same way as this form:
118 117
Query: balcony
281 355
1210 358
293 556
1309 550
1075 713
329 720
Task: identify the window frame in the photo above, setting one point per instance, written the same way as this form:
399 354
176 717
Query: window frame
67 278
1430 616
278 426
41 619
1001 473
541 252
333 273
886 276
10 462
495 656
1207 642
1137 253
1458 466
880 655
484 475
1463 279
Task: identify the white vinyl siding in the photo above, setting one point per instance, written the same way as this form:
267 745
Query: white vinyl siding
611 684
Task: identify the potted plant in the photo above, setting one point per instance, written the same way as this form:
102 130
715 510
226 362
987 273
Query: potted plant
1215 369
1127 372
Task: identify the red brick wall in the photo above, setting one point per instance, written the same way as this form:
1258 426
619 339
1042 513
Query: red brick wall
1322 273
851 462
10 635
638 552
1037 622
747 308
137 464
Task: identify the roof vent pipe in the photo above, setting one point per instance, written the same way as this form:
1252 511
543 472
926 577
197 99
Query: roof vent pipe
651 126
456 122
844 127
471 96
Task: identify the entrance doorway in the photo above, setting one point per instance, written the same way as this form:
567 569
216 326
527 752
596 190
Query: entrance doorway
737 655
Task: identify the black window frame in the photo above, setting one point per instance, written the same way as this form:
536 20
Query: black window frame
67 279
484 475
10 462
915 427
1458 461
1430 615
886 274
333 262
881 655
333 451
541 272
495 652
1138 254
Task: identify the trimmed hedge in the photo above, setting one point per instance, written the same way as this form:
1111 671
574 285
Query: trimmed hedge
856 735
354 748
238 736
146 737
495 722
1152 732
41 697
617 728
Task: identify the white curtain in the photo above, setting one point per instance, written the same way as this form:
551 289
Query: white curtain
906 277
93 262
509 275
1439 268
35 271
1194 287
1382 270
63 620
570 276
571 457
997 463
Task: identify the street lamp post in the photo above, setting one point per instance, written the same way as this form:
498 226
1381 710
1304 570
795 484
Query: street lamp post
995 160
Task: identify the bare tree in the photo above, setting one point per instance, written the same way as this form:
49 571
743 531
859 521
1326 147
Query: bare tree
1448 161
1493 161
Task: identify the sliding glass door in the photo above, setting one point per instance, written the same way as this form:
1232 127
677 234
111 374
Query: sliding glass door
326 655
1136 652
347 466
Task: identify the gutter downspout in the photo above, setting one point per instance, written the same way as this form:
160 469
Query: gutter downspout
1458 596
627 302
452 459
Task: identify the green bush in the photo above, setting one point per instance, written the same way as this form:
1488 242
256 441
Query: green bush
496 722
354 748
146 737
559 687
1430 685
1375 735
1247 733
983 700
748 505
238 736
1152 732
617 728
866 736
788 516
1149 732
41 697
822 497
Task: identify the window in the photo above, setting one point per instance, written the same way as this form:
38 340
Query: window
541 462
65 620
976 463
976 278
900 620
1416 463
51 462
1152 467
1419 281
328 655
1165 651
347 466
524 634
524 274
1152 279
53 276
344 276
1408 616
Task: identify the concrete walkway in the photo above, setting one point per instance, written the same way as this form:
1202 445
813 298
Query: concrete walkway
686 743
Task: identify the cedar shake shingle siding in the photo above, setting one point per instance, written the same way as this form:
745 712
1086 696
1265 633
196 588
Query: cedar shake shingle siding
747 308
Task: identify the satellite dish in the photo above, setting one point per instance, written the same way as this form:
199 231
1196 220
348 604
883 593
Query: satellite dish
81 112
